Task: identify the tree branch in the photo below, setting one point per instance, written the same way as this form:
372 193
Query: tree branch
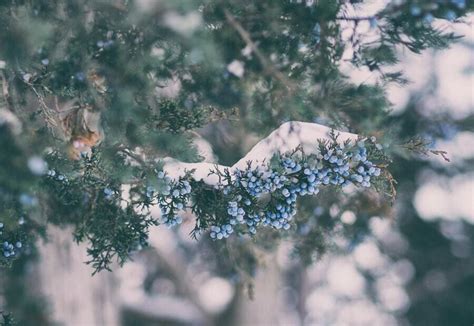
289 136
268 67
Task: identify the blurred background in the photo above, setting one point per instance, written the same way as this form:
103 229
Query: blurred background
410 264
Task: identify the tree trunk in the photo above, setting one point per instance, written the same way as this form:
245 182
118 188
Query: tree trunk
75 297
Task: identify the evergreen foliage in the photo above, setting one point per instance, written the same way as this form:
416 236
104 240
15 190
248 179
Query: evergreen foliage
95 93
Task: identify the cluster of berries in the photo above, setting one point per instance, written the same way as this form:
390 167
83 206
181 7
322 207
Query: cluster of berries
236 209
294 176
173 197
56 176
9 250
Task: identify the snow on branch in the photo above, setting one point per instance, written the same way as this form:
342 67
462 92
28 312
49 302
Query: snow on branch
260 190
289 136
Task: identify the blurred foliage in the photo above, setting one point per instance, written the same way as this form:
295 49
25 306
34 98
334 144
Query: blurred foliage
114 76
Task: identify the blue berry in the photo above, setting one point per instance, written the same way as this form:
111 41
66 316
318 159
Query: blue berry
415 10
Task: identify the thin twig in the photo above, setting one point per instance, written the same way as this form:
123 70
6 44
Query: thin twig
390 9
6 92
132 155
269 68
357 18
45 108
